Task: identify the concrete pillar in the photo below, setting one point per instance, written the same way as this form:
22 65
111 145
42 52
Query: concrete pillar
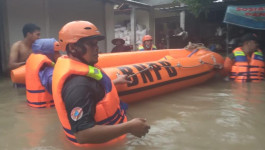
109 26
4 38
133 28
152 23
167 37
182 18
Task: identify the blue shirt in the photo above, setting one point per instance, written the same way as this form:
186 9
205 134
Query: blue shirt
46 78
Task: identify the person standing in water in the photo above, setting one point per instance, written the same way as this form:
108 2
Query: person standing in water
39 71
21 50
147 44
245 63
85 98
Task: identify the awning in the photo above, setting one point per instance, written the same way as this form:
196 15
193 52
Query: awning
249 16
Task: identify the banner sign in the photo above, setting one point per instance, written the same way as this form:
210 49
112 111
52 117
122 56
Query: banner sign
249 16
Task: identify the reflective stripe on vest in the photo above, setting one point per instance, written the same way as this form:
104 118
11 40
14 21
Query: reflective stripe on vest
154 47
243 71
108 110
37 95
141 47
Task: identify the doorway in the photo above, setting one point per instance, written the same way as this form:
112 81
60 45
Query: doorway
3 38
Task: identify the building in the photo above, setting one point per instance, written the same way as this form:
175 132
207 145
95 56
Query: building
164 20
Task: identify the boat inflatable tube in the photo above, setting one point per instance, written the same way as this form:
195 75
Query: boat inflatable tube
158 72
18 75
153 72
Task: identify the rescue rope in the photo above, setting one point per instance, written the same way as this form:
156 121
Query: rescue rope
149 67
193 46
175 66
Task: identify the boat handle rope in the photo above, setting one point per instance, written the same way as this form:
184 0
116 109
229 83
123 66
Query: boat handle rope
178 65
134 74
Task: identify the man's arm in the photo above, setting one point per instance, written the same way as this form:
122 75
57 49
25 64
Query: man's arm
45 76
83 94
228 63
104 133
13 57
121 79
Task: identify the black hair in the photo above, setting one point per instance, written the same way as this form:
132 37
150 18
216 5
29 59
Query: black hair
81 50
29 28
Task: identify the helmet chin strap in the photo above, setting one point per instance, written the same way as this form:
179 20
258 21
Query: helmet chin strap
83 60
147 46
79 56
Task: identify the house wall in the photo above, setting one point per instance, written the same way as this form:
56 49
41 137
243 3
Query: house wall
51 15
142 18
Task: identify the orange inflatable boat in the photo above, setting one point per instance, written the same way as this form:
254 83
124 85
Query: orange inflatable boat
155 72
158 72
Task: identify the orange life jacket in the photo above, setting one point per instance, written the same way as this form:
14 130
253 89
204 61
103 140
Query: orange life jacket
18 76
108 110
243 71
37 95
141 47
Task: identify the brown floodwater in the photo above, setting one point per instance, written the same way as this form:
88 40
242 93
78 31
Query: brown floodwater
215 115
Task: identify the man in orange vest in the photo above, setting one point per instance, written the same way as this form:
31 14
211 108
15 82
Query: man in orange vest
39 70
85 98
245 63
147 44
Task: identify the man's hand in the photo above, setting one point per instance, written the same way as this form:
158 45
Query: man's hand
121 79
138 127
218 66
226 78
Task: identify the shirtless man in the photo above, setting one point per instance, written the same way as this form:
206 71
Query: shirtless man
21 50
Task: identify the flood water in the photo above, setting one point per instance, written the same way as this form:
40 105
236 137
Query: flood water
216 115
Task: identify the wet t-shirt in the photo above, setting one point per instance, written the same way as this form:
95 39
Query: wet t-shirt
80 95
45 75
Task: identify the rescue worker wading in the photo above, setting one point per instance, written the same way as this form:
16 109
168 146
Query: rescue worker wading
147 44
39 67
85 98
246 63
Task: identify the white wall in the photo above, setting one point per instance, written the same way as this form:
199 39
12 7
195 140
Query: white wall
20 12
142 18
51 15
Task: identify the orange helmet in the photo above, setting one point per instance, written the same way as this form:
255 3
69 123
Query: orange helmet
147 38
75 30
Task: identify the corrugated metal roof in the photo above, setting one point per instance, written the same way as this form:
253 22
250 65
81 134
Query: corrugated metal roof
171 6
156 2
